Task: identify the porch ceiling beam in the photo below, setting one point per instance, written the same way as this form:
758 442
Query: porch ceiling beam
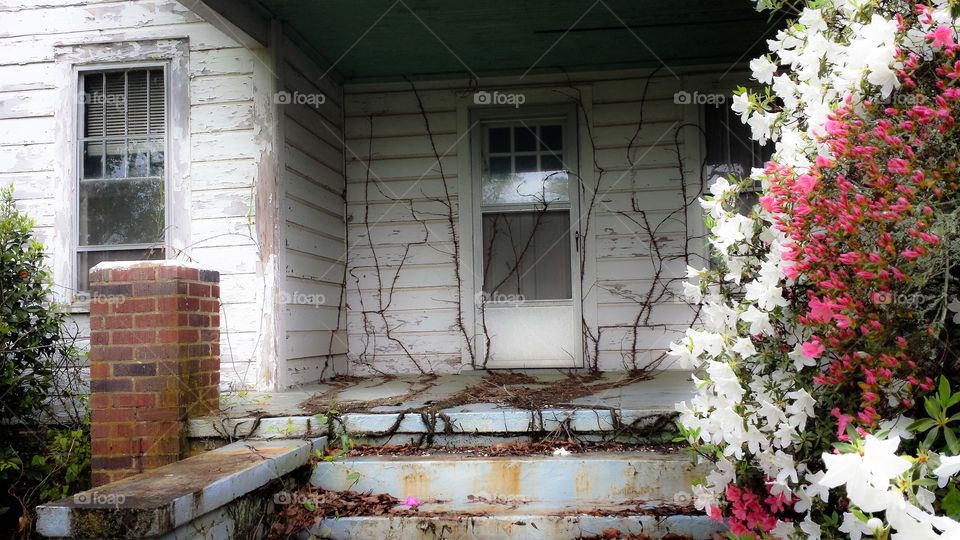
247 22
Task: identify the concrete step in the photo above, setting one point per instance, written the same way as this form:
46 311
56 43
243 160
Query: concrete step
595 476
519 524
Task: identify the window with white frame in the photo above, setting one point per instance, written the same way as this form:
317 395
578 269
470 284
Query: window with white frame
732 152
121 208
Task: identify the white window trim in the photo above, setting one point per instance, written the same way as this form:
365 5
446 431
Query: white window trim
71 61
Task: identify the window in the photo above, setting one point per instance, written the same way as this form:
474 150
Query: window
525 209
121 164
731 151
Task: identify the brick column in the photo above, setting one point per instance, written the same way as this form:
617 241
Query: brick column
154 361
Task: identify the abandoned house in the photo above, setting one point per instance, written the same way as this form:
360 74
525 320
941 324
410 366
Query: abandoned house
436 188
376 188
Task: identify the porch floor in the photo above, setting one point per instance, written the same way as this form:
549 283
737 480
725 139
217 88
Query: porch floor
471 392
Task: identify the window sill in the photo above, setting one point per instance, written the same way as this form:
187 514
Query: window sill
79 307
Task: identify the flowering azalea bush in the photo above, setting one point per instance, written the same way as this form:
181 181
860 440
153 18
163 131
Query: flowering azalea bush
825 360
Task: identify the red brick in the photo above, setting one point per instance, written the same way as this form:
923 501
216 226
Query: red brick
99 337
154 461
133 400
111 384
199 320
111 354
215 291
181 272
157 320
153 384
135 369
112 415
99 307
199 289
99 370
178 303
101 463
137 305
156 352
158 288
100 400
123 431
158 415
100 430
134 337
119 321
210 306
145 273
98 479
182 335
210 335
96 323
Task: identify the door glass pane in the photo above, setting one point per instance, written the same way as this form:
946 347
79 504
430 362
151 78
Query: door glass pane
121 212
526 172
526 255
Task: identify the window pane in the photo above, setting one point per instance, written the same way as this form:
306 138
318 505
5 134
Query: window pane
157 119
92 160
549 162
156 159
115 103
138 158
500 165
527 254
121 212
137 103
92 100
88 259
551 138
524 140
526 163
526 188
115 151
499 139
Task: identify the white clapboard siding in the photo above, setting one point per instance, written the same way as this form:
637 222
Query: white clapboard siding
313 228
393 181
223 164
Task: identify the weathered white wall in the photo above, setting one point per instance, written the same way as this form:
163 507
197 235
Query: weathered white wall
221 175
391 168
313 313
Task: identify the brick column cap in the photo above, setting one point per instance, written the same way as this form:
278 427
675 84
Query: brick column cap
151 270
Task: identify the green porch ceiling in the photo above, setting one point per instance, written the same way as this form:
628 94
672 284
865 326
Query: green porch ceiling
383 40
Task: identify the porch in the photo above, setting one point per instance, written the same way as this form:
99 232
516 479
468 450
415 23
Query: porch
471 409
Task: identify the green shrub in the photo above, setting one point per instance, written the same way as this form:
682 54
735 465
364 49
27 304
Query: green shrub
44 444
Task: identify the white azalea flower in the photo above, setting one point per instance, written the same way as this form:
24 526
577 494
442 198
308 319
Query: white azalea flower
949 467
759 321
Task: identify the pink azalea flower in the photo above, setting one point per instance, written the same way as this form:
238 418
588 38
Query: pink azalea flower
942 36
811 349
412 501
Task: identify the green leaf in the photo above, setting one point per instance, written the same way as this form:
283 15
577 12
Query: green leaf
922 425
944 390
952 443
931 407
309 506
951 502
932 437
